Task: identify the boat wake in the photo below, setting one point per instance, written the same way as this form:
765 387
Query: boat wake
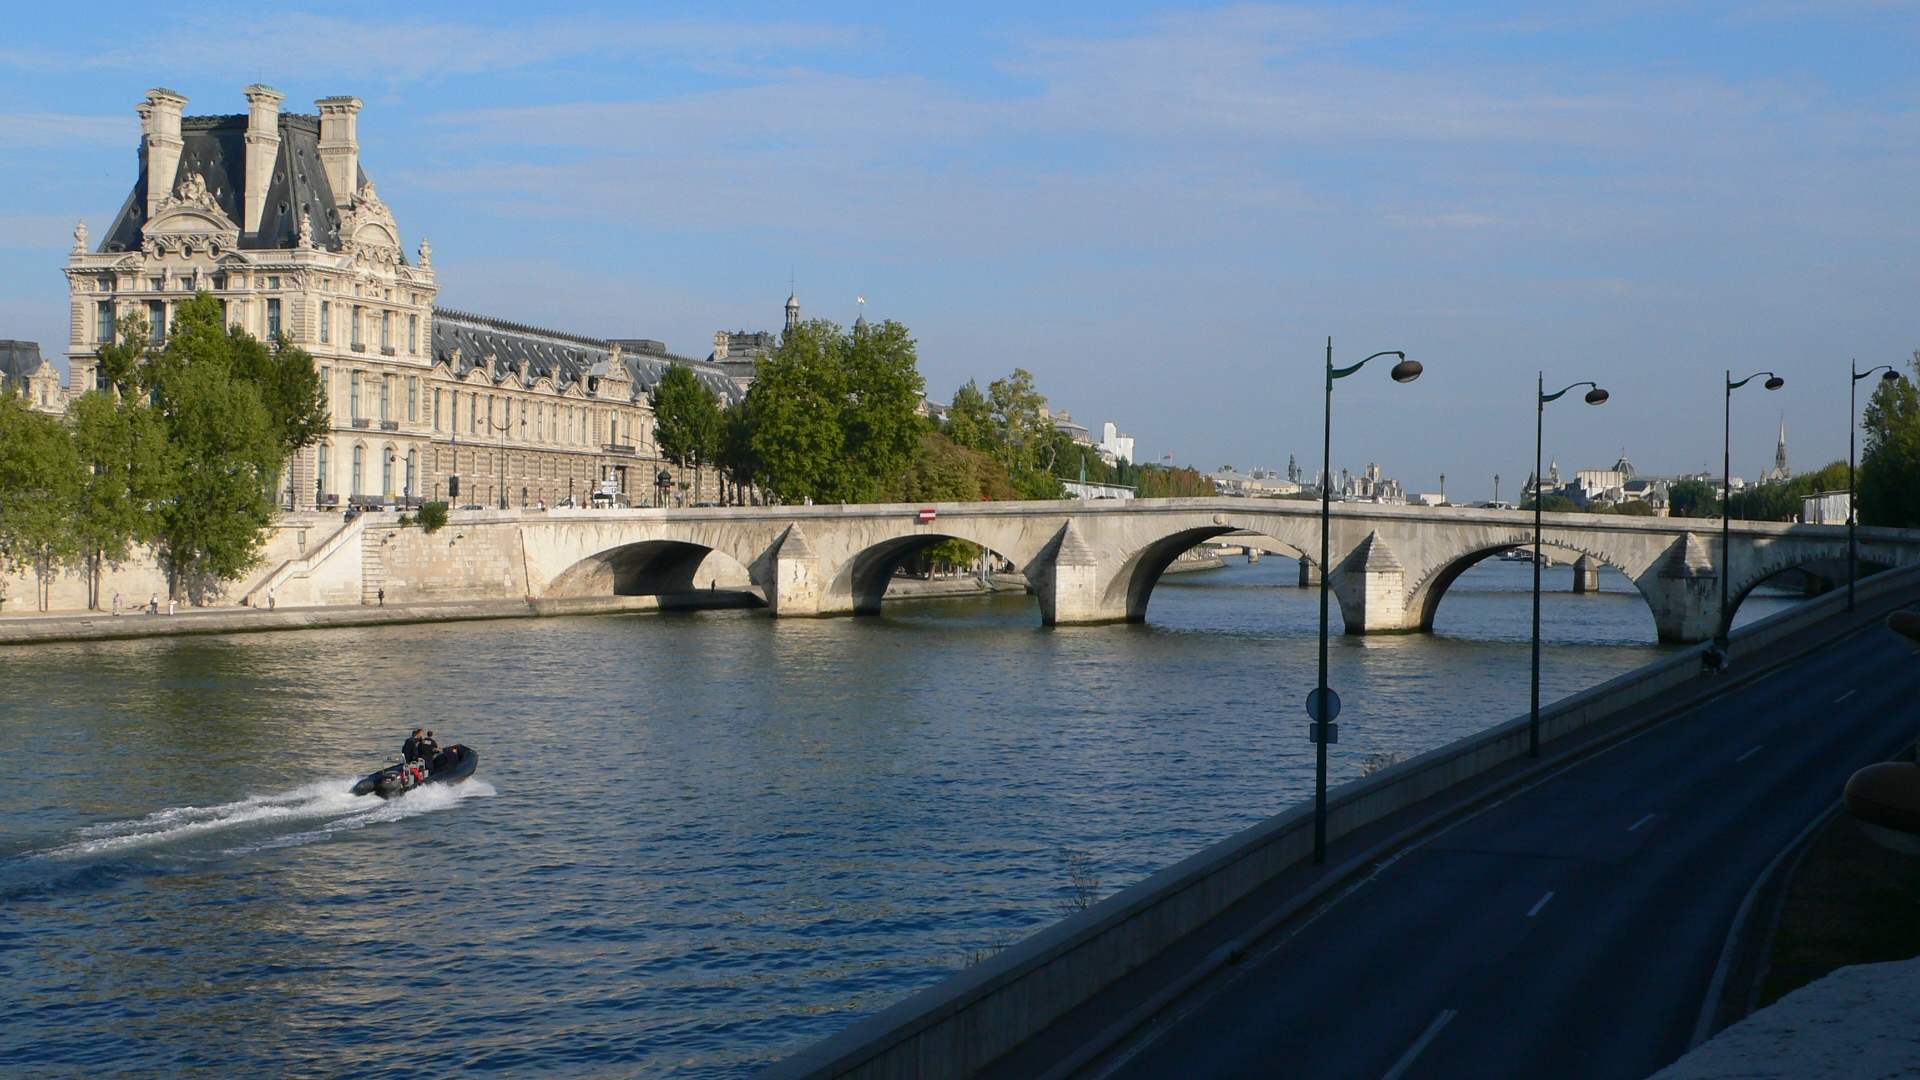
316 811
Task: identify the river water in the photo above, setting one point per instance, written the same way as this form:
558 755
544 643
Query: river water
695 842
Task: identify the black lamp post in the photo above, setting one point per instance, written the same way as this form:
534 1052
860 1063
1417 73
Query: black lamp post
1323 705
1595 396
1774 382
1890 374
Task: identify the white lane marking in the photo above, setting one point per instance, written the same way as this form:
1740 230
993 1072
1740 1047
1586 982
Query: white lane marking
1406 1060
1542 903
1750 753
1639 823
1845 696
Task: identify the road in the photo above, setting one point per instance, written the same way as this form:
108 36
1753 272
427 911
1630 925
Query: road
1571 930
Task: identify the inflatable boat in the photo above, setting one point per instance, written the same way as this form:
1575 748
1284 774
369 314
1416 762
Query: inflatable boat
398 779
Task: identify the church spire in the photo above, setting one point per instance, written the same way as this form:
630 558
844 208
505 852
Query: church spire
1780 470
793 310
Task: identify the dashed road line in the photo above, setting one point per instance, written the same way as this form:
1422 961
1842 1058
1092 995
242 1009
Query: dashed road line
1406 1060
1535 910
1639 823
1845 696
1750 753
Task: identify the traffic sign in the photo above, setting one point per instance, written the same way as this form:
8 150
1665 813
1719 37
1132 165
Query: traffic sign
1330 706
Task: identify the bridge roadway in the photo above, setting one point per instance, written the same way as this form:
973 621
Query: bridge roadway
1570 930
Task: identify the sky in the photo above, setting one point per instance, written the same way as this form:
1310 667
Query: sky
1162 211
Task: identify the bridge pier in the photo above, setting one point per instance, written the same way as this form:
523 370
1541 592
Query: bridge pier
1372 587
1067 582
1684 591
796 584
1309 573
1586 575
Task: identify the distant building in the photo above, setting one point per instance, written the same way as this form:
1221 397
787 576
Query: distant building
24 372
1780 471
1826 508
1260 483
1063 423
1115 447
1077 489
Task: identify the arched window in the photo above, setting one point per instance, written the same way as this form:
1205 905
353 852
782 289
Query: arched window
359 467
413 471
386 471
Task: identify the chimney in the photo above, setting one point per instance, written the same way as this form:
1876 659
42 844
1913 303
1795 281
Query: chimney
722 341
160 137
263 149
340 145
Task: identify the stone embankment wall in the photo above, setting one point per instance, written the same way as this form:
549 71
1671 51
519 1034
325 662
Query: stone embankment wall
140 576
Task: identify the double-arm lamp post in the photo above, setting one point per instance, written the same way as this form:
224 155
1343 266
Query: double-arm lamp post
1323 705
1889 374
1595 396
1774 382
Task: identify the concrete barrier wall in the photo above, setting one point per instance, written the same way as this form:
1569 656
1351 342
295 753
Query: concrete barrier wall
956 1027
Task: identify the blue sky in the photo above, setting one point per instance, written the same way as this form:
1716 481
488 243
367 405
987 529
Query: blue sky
1162 211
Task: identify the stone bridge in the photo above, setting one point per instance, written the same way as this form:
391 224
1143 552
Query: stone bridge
1086 562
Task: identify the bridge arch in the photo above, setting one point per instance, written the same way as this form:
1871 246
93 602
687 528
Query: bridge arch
1428 594
871 570
1832 571
651 567
1143 570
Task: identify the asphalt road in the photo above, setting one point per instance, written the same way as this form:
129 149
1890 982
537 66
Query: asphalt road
1570 931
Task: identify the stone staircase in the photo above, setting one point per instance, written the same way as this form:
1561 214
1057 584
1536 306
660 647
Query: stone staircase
373 568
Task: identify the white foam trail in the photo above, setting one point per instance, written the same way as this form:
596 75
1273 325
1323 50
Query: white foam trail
330 800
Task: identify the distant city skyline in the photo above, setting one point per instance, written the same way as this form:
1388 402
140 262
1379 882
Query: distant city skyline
1162 212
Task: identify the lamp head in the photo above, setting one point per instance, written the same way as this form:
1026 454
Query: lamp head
1406 370
1890 376
1776 383
1596 396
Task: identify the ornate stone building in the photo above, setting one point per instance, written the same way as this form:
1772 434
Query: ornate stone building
272 213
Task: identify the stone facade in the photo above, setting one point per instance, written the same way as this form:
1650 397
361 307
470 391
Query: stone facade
23 371
273 213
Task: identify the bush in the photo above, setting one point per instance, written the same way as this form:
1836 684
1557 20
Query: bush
433 516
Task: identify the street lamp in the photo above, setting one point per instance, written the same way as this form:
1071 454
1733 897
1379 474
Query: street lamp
1595 396
1774 382
1891 375
1323 705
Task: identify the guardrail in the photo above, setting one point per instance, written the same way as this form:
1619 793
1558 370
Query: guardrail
954 1028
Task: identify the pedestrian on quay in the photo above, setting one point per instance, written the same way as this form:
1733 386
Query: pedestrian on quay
270 597
383 596
173 605
116 602
153 604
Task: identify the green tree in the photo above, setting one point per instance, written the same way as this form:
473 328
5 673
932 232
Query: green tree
1692 499
226 443
39 485
1889 479
798 393
126 477
688 423
1783 500
1023 436
737 456
289 386
880 414
946 472
970 420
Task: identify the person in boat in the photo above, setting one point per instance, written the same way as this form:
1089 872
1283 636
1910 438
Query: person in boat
445 760
410 750
427 749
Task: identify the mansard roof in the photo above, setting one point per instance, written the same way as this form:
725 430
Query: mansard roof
506 350
20 359
216 149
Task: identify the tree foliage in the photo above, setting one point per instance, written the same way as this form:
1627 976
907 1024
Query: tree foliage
688 425
182 449
1692 499
832 415
1888 483
39 488
1783 500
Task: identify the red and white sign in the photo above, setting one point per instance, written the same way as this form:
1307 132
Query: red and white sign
927 516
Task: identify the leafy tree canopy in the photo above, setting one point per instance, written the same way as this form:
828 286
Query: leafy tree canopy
1889 478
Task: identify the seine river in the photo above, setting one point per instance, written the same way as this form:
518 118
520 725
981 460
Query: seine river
695 842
